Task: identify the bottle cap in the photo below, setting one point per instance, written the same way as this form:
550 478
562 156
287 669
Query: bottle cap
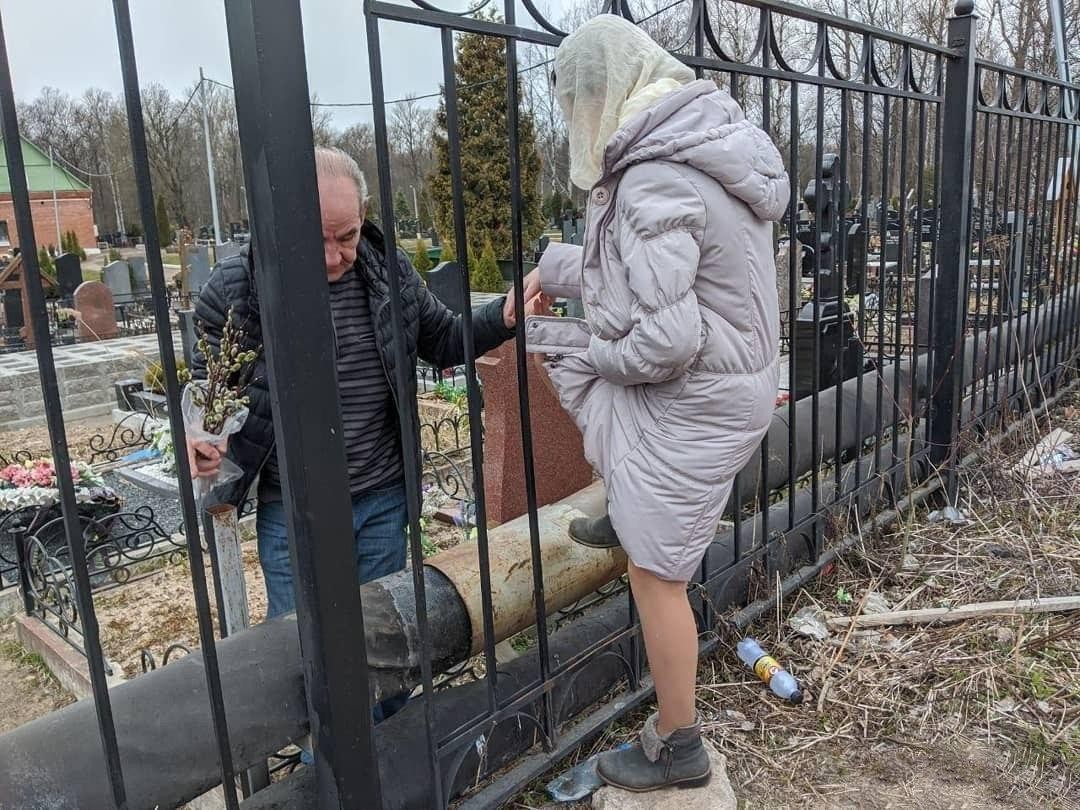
796 697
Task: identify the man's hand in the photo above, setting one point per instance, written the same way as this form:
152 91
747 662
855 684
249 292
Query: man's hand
205 458
533 298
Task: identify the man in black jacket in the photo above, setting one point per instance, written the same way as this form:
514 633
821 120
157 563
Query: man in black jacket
357 269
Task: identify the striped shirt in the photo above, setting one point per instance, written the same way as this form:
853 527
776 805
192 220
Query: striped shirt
368 413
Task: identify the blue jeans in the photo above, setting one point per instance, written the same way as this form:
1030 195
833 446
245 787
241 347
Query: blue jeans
380 520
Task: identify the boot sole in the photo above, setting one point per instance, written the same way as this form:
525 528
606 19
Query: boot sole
590 544
692 782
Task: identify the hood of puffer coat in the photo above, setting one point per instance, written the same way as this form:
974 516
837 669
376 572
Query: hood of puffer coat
702 126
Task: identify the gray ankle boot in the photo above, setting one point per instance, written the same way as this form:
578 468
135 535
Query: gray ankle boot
594 532
678 760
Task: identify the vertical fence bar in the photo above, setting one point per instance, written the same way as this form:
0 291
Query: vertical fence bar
766 125
1038 240
950 307
920 191
141 165
864 217
902 250
1002 279
934 252
461 242
883 290
407 408
1013 287
1028 259
547 714
266 47
54 416
977 378
820 240
1055 291
18 536
840 237
794 298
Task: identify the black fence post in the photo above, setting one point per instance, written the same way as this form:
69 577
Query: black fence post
951 285
266 46
19 535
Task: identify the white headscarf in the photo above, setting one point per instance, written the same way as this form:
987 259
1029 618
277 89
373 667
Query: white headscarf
605 72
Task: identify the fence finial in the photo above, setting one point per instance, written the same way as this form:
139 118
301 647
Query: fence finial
964 8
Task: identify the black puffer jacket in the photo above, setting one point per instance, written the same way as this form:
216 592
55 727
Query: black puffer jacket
431 331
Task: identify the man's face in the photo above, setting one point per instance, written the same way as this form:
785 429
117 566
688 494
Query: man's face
342 215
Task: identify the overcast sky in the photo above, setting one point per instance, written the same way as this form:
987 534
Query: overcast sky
71 45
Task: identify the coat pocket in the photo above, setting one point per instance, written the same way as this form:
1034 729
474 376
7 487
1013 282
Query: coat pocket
556 336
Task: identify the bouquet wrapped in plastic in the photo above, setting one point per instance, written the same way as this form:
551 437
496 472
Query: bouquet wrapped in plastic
215 408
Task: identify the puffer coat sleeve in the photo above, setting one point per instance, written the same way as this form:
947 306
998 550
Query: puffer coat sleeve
659 245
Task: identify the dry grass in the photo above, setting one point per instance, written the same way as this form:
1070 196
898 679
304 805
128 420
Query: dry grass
994 699
982 713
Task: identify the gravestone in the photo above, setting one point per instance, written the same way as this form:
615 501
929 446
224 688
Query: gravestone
561 468
446 284
186 320
68 274
198 261
226 250
96 306
139 278
783 272
117 277
13 309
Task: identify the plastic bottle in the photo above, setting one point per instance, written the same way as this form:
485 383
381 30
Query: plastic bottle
780 681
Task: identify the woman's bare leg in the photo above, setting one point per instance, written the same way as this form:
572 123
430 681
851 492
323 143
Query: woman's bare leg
671 643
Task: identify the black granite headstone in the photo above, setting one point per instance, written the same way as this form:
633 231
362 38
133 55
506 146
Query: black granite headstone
68 274
445 284
13 309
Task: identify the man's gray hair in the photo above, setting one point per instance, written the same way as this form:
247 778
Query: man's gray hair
333 162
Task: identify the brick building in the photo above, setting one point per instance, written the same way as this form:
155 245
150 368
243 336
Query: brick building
73 203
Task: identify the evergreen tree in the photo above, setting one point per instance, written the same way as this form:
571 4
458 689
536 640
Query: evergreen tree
45 262
164 227
421 261
484 275
480 71
70 244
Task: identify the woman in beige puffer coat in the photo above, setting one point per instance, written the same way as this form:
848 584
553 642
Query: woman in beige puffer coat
672 377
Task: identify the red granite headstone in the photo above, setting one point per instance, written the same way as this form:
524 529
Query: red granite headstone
97 317
558 458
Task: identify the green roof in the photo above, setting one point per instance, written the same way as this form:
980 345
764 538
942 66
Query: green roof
39 175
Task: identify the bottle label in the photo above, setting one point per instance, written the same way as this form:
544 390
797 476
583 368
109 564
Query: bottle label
766 667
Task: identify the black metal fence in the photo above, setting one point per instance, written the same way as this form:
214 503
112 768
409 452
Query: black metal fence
931 290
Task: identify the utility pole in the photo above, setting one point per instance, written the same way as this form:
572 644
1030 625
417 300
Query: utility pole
55 204
416 211
209 158
1057 20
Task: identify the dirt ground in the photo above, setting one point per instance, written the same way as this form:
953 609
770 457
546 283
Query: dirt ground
27 688
983 713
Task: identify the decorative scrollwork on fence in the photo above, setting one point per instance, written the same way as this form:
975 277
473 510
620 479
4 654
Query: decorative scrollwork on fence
149 662
120 547
446 434
133 432
16 457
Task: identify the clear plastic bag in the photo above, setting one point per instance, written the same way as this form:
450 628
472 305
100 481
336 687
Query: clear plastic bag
193 427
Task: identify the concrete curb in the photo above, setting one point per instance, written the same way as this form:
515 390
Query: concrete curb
70 667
